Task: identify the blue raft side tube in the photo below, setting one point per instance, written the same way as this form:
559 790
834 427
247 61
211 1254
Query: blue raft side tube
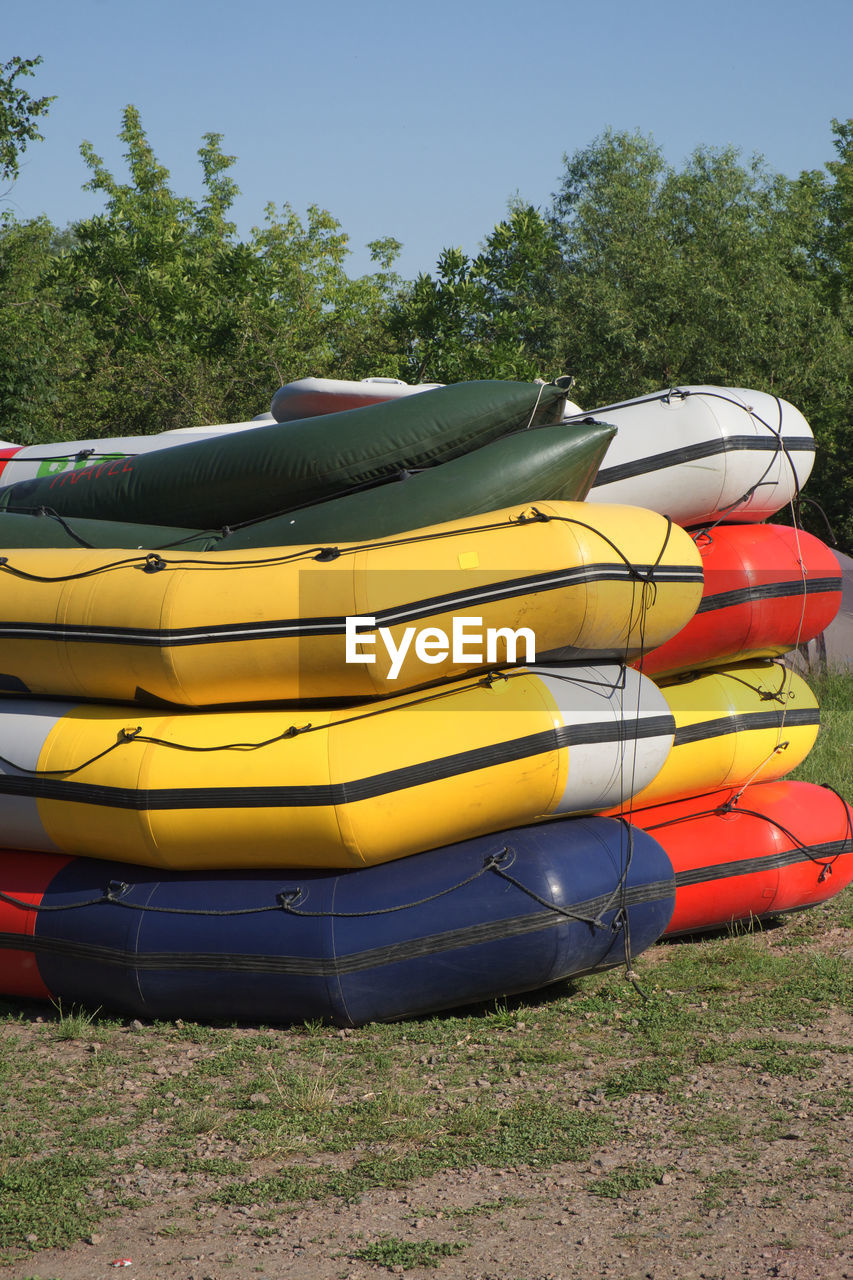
497 915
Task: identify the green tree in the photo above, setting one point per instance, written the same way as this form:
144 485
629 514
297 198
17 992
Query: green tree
41 346
832 256
707 274
520 267
836 244
18 114
483 317
190 323
436 323
692 276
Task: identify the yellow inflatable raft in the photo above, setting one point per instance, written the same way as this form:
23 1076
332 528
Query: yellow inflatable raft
752 722
322 788
561 581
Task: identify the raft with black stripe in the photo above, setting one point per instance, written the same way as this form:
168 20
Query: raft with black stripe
530 466
743 723
250 474
695 453
493 916
327 788
557 582
700 453
775 847
767 589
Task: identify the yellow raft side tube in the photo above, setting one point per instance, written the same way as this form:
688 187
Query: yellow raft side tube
317 788
750 722
214 628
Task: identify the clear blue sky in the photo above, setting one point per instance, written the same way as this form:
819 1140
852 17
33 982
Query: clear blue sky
419 121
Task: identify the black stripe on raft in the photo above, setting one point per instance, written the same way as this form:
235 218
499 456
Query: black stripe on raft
769 591
310 966
704 449
414 775
817 853
533 584
745 722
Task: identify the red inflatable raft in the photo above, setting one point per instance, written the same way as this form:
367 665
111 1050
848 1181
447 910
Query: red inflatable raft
780 846
768 588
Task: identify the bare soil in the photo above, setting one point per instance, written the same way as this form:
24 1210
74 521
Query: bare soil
670 1196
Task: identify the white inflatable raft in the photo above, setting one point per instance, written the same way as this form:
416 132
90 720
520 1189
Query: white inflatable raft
704 453
32 461
312 397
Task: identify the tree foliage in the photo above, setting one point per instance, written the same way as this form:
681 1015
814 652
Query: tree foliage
698 275
640 275
156 313
190 323
18 114
486 317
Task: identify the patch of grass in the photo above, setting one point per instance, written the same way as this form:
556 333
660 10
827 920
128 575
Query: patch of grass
391 1252
642 1077
75 1023
636 1177
719 1186
775 1057
47 1198
718 1126
530 1132
830 760
472 1211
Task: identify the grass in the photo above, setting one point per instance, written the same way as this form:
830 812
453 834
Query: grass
831 759
393 1253
621 1181
44 1200
96 1115
471 1211
369 1112
74 1023
721 1186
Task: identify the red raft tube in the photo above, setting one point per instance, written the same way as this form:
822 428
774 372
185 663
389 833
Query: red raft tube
780 846
24 881
767 589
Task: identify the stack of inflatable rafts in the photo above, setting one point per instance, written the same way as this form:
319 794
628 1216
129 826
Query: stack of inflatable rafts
274 741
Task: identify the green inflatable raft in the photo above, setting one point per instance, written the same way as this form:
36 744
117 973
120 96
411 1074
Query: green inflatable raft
251 474
555 462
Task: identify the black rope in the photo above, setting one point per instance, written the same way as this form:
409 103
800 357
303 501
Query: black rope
49 513
647 577
150 562
292 897
397 477
373 710
293 731
732 805
828 529
116 888
781 446
781 695
288 900
38 908
594 922
123 736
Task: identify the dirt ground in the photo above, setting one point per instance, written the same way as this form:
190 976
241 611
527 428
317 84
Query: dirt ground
706 1214
513 1225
